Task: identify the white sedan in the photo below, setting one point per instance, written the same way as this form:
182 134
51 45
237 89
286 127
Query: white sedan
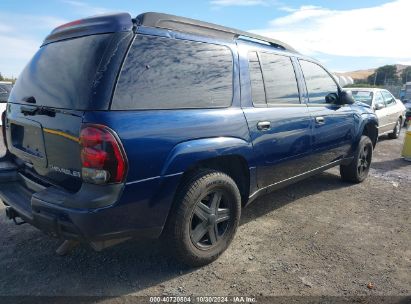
389 110
5 88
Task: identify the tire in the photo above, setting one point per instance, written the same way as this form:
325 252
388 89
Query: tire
396 132
357 170
204 218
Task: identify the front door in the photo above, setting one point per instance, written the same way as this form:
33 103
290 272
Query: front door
391 110
332 124
380 108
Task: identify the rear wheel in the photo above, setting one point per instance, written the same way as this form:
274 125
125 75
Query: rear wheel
396 132
205 218
357 170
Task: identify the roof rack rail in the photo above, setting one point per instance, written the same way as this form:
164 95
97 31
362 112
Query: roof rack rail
182 24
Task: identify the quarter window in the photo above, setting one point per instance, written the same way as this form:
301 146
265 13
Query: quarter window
279 79
164 73
319 83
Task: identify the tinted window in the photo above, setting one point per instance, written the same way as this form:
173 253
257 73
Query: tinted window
319 82
279 79
256 78
379 100
388 98
65 74
163 73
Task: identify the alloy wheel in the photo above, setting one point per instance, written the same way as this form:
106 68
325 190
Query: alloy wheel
398 128
210 220
364 160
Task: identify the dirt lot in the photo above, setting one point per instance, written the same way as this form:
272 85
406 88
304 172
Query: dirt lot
318 237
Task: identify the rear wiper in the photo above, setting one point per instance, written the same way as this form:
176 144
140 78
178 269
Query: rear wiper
37 111
30 99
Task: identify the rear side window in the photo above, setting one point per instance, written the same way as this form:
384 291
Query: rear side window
279 79
256 79
319 83
163 73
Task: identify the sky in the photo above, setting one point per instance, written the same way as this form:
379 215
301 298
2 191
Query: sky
344 35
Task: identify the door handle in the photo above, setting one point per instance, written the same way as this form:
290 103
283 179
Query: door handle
263 125
319 120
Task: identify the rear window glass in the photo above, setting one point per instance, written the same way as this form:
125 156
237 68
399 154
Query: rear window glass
162 73
5 88
63 74
363 96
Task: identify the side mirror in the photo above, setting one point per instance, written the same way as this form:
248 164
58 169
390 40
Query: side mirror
345 98
378 106
331 98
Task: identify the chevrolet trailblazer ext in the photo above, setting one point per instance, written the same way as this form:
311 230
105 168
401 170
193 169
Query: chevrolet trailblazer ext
167 126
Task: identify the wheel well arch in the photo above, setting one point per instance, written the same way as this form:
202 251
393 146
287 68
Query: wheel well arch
235 166
371 130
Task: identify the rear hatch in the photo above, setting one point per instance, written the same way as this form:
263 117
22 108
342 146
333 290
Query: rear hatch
73 71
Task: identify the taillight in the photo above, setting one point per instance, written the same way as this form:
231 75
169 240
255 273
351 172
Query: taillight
102 155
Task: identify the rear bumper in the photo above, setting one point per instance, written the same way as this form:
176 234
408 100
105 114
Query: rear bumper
92 214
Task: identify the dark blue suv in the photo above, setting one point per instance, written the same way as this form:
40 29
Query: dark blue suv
167 126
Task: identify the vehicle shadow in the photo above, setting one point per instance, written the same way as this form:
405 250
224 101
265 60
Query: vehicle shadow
121 270
390 165
277 199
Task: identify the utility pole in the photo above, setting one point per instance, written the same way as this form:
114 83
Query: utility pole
375 77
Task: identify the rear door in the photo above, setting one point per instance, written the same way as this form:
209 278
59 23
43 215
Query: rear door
332 125
279 123
46 106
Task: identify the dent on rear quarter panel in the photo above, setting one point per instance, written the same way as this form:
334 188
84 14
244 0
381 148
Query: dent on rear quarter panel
188 153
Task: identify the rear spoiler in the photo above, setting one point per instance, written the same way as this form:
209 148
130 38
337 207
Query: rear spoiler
101 24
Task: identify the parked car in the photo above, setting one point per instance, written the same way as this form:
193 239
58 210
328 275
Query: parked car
407 105
168 126
389 110
5 88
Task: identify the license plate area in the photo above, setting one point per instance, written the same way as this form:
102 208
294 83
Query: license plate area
27 141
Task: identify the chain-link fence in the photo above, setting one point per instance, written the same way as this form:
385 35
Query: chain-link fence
394 89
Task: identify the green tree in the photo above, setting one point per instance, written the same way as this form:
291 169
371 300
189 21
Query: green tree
1 77
406 75
383 75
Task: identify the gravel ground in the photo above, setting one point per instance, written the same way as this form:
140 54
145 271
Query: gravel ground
317 237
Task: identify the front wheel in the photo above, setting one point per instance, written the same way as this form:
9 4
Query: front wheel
357 170
205 217
396 132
